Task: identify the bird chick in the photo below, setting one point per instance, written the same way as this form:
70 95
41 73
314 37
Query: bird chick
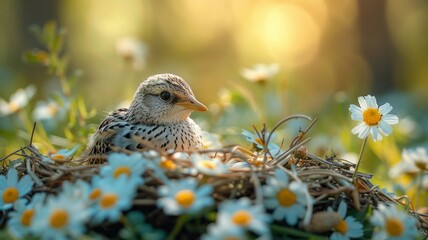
157 119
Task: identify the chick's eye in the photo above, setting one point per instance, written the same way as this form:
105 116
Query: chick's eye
165 95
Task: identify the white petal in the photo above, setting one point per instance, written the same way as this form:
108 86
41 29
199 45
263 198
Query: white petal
385 128
390 119
364 132
385 109
363 102
375 133
358 128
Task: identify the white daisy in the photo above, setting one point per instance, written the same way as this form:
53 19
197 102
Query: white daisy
348 227
17 101
260 72
184 196
373 119
60 218
413 161
390 223
223 230
132 166
132 50
210 141
207 165
287 199
21 219
111 197
62 155
11 189
50 113
242 214
79 190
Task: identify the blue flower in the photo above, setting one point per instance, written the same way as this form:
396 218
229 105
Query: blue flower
287 199
244 215
119 164
21 219
392 224
348 227
60 218
254 138
183 196
11 189
111 197
62 155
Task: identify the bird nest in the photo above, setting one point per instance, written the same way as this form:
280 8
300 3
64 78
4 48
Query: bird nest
329 181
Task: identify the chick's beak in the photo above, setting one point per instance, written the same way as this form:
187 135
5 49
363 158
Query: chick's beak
193 104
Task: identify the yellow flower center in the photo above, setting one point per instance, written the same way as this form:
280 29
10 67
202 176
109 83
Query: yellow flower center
121 170
208 164
13 107
10 195
286 197
341 227
371 116
96 193
394 227
108 200
58 157
27 217
241 218
59 218
52 109
185 198
259 141
168 164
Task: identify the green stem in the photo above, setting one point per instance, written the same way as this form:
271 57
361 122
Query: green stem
359 159
178 226
291 231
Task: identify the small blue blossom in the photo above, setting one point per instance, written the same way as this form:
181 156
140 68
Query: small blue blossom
348 227
207 165
60 218
184 196
21 219
392 224
111 197
119 164
254 138
244 215
287 199
62 155
11 189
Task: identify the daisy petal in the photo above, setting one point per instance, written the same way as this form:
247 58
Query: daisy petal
390 119
385 128
12 177
363 103
385 108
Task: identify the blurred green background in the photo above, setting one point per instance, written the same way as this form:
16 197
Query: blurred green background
328 53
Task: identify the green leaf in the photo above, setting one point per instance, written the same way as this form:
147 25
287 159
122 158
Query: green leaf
49 35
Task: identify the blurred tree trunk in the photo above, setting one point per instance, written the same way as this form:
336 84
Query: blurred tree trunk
376 45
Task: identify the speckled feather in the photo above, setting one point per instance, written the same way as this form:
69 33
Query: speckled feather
151 122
